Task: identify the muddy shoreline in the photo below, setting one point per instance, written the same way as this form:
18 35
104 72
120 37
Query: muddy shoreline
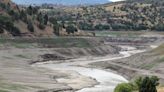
93 60
129 71
112 67
15 65
58 59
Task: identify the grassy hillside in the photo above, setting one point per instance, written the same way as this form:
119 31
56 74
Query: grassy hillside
58 42
135 15
18 21
146 1
30 21
46 20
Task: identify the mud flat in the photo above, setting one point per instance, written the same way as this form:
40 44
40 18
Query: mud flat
148 63
107 80
70 68
17 75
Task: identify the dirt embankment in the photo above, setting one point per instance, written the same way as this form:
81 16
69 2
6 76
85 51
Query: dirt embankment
17 75
149 63
60 54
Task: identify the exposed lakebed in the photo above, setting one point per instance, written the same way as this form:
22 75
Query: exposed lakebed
107 81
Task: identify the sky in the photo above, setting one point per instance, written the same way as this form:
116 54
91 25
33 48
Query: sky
67 2
115 0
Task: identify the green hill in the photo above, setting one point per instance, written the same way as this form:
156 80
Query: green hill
47 20
30 21
20 21
146 1
133 15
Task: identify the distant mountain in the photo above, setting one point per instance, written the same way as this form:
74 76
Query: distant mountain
146 1
64 2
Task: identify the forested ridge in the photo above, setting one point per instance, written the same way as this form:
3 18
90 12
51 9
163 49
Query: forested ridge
48 20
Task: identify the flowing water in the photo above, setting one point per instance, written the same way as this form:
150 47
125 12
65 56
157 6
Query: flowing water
107 80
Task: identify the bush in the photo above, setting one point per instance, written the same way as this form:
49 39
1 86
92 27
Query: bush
41 26
30 26
15 15
102 27
6 23
45 19
56 28
1 31
119 27
149 84
159 27
23 16
3 6
15 31
142 84
71 29
30 10
85 26
124 87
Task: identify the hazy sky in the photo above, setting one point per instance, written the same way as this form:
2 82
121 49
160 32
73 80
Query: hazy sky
60 1
68 2
115 0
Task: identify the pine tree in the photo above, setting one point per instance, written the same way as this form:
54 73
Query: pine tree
45 19
30 26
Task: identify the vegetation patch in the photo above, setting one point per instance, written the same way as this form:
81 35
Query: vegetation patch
6 57
151 65
142 84
4 87
59 42
1 90
124 87
159 50
22 56
159 53
118 33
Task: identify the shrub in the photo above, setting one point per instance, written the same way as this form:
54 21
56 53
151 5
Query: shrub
41 26
6 23
159 27
146 84
56 28
23 16
85 26
71 29
149 84
3 6
124 87
15 31
30 26
1 31
45 19
15 15
30 10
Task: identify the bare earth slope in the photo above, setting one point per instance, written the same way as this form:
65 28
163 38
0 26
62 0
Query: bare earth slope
17 75
147 63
